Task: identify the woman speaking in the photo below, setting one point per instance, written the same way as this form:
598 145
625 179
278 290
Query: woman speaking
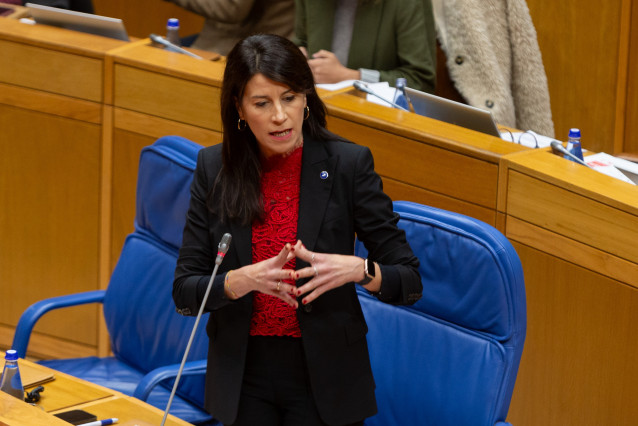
287 334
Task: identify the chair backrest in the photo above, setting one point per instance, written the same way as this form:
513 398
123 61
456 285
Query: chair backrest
451 358
145 330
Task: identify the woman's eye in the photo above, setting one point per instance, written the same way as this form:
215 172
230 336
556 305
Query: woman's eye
260 104
289 98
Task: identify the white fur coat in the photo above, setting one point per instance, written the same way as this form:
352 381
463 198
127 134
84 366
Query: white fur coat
495 62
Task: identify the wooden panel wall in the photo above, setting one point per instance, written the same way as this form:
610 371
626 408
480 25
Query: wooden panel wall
585 51
631 117
143 17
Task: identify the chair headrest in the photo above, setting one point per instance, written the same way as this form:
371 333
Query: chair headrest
467 268
163 187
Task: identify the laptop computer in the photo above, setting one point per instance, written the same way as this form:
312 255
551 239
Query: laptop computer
452 112
78 21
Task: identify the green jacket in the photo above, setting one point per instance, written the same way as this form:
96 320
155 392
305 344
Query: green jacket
395 37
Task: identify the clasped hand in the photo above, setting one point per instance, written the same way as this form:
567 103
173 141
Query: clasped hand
327 272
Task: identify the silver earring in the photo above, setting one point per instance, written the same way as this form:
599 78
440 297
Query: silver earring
241 124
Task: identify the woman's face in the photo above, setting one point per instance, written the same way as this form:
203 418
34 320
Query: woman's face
274 113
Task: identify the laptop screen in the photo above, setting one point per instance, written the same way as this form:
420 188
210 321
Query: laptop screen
78 21
453 112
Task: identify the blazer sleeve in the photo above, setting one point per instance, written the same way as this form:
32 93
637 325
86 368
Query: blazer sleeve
376 226
415 55
228 11
300 37
197 254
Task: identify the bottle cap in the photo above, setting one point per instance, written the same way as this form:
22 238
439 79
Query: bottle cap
401 83
11 355
173 23
574 133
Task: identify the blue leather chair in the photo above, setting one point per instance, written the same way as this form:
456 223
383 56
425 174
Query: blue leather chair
451 358
148 337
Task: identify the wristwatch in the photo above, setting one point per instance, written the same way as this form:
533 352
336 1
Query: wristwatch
368 271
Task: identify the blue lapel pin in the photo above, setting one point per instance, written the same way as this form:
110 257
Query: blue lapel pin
324 175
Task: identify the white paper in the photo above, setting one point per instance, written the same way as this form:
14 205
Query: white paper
611 166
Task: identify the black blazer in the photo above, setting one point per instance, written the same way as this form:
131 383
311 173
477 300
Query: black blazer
340 195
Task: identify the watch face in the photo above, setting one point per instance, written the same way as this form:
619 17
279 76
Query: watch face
370 268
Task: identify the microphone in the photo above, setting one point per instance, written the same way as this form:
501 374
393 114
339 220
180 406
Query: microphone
559 149
172 47
222 249
359 85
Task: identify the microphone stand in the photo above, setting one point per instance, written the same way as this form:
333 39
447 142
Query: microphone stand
560 150
222 249
364 88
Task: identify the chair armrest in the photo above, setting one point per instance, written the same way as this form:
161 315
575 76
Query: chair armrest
503 424
33 313
153 378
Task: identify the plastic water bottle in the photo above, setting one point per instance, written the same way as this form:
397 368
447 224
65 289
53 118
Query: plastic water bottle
11 382
172 31
573 144
399 93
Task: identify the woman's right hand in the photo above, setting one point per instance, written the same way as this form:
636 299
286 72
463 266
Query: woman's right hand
266 277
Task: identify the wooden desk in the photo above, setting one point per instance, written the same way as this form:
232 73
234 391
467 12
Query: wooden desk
424 160
66 392
576 231
52 123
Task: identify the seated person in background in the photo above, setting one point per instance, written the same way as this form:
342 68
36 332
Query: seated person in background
229 21
369 40
494 60
85 6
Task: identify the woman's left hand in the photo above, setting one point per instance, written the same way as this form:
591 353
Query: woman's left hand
328 271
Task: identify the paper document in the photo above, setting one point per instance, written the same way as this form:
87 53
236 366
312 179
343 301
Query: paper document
614 167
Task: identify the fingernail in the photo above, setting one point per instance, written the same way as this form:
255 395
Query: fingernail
298 292
304 301
297 275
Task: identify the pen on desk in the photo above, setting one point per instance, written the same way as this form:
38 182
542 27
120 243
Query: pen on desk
101 422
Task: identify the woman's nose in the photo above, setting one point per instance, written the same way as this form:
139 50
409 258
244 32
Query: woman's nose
279 113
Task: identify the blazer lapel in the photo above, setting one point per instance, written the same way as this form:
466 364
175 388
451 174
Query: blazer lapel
317 178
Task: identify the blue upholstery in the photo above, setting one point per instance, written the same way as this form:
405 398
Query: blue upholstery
451 358
145 330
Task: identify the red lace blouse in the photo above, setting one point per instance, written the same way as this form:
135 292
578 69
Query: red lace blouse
280 192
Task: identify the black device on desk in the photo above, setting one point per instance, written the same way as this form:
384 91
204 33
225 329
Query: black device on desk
77 417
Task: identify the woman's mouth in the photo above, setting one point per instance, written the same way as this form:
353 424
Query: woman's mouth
281 134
